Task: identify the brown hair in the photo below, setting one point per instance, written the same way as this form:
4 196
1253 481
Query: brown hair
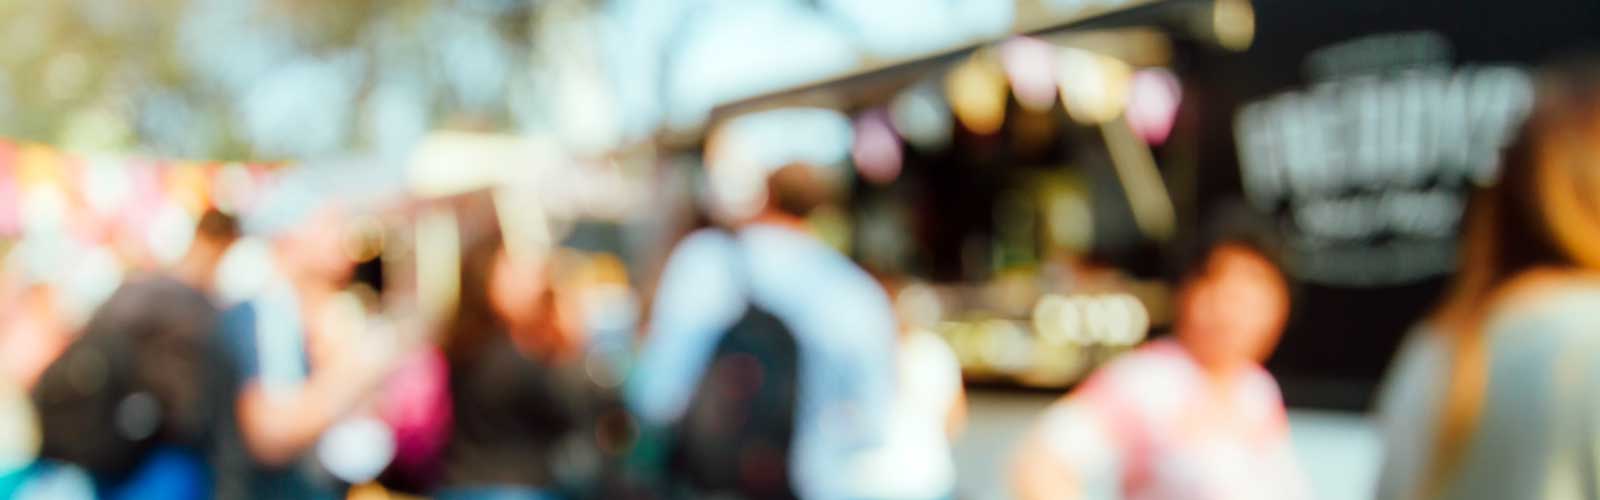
798 189
476 322
1542 213
217 226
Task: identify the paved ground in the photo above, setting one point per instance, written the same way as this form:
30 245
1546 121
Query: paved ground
1342 445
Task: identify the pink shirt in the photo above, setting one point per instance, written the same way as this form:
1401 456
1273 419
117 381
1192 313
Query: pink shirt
1150 426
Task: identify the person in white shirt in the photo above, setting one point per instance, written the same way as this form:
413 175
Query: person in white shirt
1494 395
841 319
929 410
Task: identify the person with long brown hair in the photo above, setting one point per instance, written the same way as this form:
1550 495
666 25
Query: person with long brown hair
525 409
1496 395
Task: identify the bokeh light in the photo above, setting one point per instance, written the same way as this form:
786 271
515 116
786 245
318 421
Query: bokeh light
1094 87
44 210
244 269
20 427
106 185
977 92
1234 23
1006 345
833 226
922 117
1098 319
356 450
170 233
1031 65
233 188
1153 101
94 276
876 151
919 305
1068 217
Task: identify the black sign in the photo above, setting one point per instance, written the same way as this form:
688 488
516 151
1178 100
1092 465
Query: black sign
1358 126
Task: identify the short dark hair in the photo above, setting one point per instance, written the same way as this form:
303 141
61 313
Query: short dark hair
217 226
797 189
1229 226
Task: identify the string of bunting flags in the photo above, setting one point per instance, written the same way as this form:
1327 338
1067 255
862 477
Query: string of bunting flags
92 196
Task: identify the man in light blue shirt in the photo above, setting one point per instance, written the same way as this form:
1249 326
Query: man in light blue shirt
840 316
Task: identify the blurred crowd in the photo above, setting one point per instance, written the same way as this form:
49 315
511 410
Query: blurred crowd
769 364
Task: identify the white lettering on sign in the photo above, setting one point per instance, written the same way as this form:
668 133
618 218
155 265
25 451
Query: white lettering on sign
1370 133
1432 213
1372 265
1368 170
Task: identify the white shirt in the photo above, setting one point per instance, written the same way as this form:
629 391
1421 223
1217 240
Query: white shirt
1149 426
915 462
1538 433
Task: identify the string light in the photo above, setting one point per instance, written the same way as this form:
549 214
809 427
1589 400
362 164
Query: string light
1094 87
1031 65
921 116
1234 23
876 151
977 93
1153 104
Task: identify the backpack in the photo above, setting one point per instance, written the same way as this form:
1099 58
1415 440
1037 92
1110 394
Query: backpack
146 372
735 435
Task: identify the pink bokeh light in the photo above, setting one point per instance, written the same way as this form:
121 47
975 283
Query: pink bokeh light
876 151
1030 64
1153 101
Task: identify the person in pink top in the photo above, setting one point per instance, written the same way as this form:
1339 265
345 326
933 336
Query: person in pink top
1194 417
